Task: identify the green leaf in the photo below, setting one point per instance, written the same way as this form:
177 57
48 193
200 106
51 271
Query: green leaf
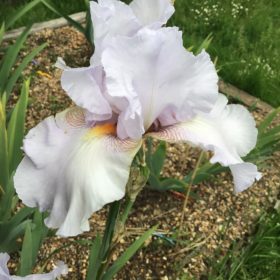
107 238
173 184
205 172
154 183
51 6
155 162
2 32
21 12
93 259
267 121
110 227
4 163
273 131
10 58
205 44
16 127
26 258
16 74
39 232
127 255
158 158
11 234
21 215
6 202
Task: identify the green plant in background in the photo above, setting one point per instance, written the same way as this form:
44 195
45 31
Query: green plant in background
39 12
246 39
9 72
257 258
16 222
246 36
268 142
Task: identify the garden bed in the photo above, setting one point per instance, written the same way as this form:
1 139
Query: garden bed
215 216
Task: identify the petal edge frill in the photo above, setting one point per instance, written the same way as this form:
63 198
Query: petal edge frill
228 131
73 171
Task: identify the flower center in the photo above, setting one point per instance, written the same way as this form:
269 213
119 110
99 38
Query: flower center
103 129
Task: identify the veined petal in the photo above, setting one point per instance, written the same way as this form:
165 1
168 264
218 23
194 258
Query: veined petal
153 13
229 131
85 87
72 171
154 71
61 269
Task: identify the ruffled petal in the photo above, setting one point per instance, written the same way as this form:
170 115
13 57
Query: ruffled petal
85 87
229 131
61 269
154 13
244 175
153 72
72 171
110 18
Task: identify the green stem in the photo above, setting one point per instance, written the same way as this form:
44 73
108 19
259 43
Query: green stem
127 209
106 246
189 186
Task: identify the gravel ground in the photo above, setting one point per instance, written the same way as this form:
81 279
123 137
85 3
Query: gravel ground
213 220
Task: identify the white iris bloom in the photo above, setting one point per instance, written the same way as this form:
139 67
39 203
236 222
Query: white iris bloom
111 18
61 269
146 84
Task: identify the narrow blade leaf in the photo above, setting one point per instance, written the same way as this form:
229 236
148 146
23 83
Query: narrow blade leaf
4 164
21 12
16 74
93 259
26 253
127 255
51 6
16 127
10 58
2 32
267 121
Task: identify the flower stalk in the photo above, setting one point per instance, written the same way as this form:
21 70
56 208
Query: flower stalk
188 190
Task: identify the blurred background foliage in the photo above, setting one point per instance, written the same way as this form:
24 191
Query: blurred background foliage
246 36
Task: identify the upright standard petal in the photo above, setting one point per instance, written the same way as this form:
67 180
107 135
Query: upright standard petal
154 73
110 18
61 269
153 13
229 131
72 170
85 87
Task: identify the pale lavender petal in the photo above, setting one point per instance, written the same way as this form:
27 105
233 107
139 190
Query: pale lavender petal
153 72
229 131
4 272
153 13
60 269
72 171
244 175
110 18
85 87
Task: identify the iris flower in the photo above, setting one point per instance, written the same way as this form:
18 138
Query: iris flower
61 269
146 85
111 18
